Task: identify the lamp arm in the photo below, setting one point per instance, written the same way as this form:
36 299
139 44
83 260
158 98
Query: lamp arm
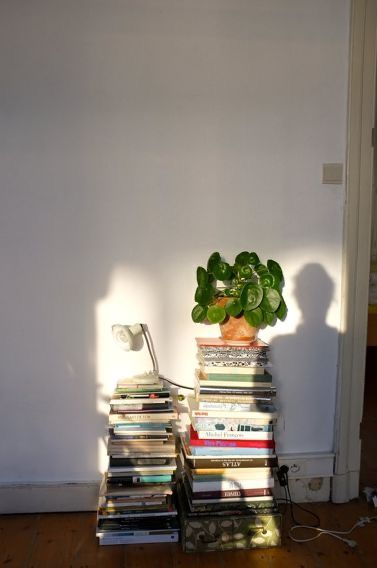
150 349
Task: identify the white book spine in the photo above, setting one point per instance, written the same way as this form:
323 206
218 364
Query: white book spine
230 435
232 484
229 424
263 418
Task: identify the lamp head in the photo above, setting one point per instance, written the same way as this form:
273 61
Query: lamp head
125 335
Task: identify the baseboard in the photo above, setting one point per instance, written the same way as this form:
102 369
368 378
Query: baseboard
309 477
345 487
48 497
309 481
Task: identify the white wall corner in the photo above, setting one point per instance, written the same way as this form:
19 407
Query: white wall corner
345 486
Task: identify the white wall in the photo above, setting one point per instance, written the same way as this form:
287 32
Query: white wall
136 137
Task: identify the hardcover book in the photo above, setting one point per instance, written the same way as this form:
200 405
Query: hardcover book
245 374
231 434
262 411
227 344
227 484
233 424
226 460
194 440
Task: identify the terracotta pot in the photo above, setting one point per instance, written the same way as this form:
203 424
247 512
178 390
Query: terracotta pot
236 329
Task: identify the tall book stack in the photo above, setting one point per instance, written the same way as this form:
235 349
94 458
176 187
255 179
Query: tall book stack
228 455
136 502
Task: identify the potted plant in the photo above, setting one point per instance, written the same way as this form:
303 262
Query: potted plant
246 293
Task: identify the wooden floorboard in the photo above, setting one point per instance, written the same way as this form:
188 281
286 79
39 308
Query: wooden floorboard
67 540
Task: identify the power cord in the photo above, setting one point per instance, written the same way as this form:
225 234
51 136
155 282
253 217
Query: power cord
336 534
282 475
154 361
177 385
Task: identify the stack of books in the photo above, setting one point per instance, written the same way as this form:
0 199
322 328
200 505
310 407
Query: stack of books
136 502
228 454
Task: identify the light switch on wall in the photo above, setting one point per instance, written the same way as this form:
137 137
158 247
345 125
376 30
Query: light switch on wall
332 173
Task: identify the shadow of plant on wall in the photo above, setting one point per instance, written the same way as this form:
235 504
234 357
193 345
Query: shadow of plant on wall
305 366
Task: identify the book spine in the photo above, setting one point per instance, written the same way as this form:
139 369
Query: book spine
220 390
250 415
143 395
115 402
231 435
239 374
230 451
229 424
247 401
231 484
137 386
215 463
219 342
128 480
206 474
138 406
229 384
141 462
229 413
233 443
143 417
137 436
231 493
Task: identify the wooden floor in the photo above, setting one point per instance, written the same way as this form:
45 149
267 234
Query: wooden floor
68 540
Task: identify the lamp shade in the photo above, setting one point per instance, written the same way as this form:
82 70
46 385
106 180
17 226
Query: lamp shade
124 335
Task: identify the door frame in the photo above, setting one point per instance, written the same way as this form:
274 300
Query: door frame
356 250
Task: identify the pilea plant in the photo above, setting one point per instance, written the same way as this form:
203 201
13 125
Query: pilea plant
248 287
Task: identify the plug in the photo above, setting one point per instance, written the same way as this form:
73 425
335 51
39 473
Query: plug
282 475
364 521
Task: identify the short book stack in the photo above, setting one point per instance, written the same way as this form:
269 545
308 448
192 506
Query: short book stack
227 457
136 501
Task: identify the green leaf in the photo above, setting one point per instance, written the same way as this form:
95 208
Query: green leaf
216 314
282 310
251 296
222 270
278 283
199 313
233 307
204 294
254 317
201 276
266 280
260 269
254 258
213 259
269 318
271 300
245 271
242 258
275 269
229 292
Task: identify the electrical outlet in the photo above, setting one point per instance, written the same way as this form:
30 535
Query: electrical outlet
308 465
296 468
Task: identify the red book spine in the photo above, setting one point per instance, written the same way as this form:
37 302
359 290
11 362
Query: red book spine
195 441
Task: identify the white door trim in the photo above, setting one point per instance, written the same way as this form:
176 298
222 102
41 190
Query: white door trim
356 250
